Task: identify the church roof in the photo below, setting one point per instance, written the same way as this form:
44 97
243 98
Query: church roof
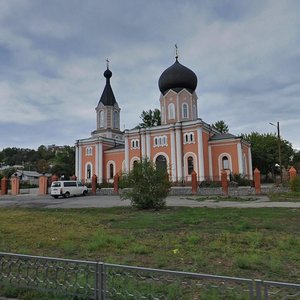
107 98
223 136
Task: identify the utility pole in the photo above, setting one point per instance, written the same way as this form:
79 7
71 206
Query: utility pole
279 148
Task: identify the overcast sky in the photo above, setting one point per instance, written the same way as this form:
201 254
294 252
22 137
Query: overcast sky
246 55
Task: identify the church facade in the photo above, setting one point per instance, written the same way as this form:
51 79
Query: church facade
183 143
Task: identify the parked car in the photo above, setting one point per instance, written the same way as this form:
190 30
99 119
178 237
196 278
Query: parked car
68 188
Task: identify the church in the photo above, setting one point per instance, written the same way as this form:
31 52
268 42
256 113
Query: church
183 143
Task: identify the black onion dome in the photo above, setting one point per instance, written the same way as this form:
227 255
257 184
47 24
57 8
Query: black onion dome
107 73
177 77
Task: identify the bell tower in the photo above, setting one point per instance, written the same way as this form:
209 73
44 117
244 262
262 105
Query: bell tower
108 111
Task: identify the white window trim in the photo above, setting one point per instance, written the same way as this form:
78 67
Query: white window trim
160 141
134 144
171 108
188 139
88 151
187 110
221 162
185 164
108 170
165 155
135 158
101 122
85 168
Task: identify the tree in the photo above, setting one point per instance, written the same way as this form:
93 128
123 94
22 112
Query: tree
150 118
221 126
264 148
149 186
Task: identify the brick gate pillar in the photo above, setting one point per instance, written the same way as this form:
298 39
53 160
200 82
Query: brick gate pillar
116 184
73 177
15 185
94 184
194 182
292 172
43 185
4 186
257 181
224 182
54 177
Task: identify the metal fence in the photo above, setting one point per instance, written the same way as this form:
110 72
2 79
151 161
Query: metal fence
97 280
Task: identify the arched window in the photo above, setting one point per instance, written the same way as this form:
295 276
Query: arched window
111 171
186 138
225 163
185 111
116 119
190 165
88 171
161 163
191 137
171 109
135 163
101 118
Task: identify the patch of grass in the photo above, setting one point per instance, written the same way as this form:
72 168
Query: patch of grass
257 243
221 198
285 197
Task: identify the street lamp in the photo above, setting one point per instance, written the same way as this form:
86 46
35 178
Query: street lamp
279 148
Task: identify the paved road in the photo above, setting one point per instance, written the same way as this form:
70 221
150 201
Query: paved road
47 201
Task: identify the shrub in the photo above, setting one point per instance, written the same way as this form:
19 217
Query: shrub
241 180
149 186
295 184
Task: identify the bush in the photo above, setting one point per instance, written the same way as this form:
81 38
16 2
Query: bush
295 184
241 180
149 186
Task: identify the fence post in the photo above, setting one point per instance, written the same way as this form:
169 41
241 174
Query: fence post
4 186
257 181
224 182
15 185
94 184
116 184
73 177
43 185
258 288
194 182
292 172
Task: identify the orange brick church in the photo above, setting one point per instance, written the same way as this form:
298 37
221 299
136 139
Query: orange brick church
183 143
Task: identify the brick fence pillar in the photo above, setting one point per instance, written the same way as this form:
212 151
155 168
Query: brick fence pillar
43 185
194 182
94 184
224 182
54 177
15 185
292 172
4 186
257 181
73 177
116 184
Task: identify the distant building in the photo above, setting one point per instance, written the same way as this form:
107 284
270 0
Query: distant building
183 143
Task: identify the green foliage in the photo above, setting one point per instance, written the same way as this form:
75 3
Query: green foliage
150 118
264 148
149 186
221 126
295 184
8 172
241 180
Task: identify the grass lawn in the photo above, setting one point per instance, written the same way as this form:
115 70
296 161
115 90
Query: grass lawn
254 243
285 197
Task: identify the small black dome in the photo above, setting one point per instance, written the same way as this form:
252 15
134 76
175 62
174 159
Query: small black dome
107 73
177 77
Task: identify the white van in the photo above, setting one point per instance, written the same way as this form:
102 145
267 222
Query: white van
68 188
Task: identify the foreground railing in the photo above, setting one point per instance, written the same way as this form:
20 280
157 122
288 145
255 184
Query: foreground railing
97 280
